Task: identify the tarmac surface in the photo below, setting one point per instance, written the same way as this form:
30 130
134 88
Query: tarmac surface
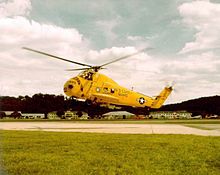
110 128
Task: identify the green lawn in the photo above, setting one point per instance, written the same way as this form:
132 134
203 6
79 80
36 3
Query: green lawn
54 153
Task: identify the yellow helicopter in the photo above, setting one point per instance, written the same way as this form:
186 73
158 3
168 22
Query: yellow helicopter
96 88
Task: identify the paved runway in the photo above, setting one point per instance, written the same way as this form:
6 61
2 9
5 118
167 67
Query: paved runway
107 128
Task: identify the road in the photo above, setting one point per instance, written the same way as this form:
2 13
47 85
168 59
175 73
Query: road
108 128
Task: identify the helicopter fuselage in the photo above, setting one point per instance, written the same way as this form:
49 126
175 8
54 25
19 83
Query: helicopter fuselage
100 89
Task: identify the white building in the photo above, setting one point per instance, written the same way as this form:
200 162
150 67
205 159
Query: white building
33 116
118 115
53 115
8 113
70 115
170 115
74 115
67 115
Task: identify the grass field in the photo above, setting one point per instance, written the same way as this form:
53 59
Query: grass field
51 153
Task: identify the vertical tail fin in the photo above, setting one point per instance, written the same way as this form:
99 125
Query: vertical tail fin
160 99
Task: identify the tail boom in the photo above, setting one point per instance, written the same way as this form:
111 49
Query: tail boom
161 98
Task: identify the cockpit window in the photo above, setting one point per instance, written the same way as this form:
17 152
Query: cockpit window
112 90
87 74
70 86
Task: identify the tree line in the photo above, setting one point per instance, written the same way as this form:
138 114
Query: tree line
45 103
201 106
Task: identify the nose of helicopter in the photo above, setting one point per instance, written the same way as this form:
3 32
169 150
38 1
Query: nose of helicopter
68 88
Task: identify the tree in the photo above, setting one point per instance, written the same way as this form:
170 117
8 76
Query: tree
2 115
60 113
16 115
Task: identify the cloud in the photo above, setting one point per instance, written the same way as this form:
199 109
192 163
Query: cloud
204 17
198 63
23 72
139 41
28 73
201 63
15 8
107 28
195 75
17 32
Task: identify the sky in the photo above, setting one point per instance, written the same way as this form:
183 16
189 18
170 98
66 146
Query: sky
183 34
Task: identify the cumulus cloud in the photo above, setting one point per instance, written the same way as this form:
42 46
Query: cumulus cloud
15 8
107 28
24 72
204 17
29 73
196 68
201 63
139 41
195 75
18 32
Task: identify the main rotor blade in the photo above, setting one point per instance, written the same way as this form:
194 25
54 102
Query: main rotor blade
126 56
84 69
43 53
76 69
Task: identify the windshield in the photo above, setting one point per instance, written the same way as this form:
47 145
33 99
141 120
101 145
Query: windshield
87 74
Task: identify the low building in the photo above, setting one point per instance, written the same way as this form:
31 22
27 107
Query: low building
8 113
196 117
212 116
70 115
84 116
118 115
53 115
170 115
11 114
33 115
